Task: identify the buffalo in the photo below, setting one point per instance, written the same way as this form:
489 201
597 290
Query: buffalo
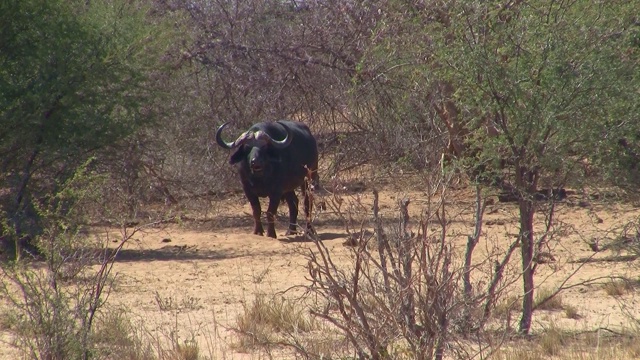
272 160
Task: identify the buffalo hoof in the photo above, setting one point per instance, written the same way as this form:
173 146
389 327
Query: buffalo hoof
272 234
291 232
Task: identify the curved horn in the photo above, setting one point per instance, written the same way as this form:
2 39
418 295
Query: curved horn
281 144
223 144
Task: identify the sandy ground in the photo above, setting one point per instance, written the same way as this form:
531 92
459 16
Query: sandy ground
190 281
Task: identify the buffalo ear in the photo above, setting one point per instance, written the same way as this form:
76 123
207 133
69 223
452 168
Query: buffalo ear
237 156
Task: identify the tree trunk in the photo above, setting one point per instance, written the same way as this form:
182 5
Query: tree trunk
472 241
526 184
527 211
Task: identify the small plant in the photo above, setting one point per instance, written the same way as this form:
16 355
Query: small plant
552 340
117 337
267 316
190 303
171 303
504 308
185 350
617 287
9 320
571 312
547 299
56 304
260 276
165 303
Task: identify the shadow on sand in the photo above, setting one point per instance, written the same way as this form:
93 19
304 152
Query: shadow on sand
301 238
175 252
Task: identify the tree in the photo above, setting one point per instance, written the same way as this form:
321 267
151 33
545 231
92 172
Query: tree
74 78
557 82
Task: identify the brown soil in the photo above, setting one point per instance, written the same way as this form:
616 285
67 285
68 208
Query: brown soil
196 279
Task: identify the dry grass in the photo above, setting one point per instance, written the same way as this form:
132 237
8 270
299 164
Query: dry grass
617 287
260 322
118 337
518 353
177 303
546 300
552 341
187 350
571 312
506 306
558 344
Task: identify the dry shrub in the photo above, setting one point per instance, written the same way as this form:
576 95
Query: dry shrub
186 350
405 292
57 298
400 297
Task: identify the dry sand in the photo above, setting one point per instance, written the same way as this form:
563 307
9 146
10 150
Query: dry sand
197 281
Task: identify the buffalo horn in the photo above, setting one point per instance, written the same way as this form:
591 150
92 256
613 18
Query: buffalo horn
281 144
223 144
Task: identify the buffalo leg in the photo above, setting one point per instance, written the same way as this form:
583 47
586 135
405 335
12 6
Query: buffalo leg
292 202
255 207
274 201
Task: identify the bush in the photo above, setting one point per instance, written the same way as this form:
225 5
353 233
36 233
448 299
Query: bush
399 298
57 293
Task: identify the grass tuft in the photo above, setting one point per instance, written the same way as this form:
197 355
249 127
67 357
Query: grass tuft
545 300
552 341
261 321
571 312
617 287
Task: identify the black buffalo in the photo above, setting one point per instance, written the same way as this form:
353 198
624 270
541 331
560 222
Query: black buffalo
273 159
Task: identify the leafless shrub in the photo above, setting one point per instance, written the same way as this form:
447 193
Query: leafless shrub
57 292
628 238
400 296
56 314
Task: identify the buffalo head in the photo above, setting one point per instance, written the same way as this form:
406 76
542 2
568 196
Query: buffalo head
256 147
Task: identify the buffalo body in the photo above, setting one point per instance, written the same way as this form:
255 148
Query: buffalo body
273 159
